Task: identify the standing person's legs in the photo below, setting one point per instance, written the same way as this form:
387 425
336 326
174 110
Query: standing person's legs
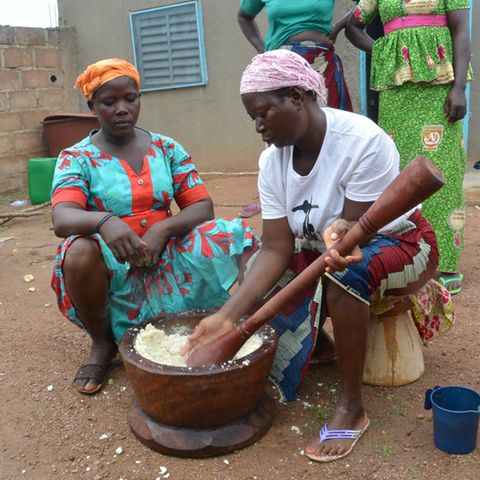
334 75
421 128
86 281
350 322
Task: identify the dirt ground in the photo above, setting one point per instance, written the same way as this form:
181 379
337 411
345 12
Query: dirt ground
49 431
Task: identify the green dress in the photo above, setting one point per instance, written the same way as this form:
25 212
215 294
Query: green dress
412 68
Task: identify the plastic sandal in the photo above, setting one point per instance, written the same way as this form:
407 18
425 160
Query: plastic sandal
250 210
326 434
446 281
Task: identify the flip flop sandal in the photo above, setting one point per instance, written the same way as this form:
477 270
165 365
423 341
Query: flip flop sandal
323 361
91 371
250 210
326 434
445 281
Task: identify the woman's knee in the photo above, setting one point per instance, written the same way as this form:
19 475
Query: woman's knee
83 256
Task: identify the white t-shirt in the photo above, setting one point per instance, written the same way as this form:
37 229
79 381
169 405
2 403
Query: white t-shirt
358 160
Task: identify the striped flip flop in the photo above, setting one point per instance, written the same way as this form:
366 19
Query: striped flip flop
326 434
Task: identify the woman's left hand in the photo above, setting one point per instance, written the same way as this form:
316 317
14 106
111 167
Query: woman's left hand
455 104
156 238
333 233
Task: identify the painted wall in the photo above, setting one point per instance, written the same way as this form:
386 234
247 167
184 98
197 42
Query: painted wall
209 121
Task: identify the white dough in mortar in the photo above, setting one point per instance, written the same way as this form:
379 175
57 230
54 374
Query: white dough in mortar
155 345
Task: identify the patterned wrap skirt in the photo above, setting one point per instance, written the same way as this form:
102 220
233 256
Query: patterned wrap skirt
413 115
389 263
324 60
195 271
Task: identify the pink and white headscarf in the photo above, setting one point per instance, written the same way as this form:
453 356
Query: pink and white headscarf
278 69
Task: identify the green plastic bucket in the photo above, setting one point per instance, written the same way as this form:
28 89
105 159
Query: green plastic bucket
40 177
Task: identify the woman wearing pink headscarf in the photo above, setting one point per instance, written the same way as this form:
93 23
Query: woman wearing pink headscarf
322 171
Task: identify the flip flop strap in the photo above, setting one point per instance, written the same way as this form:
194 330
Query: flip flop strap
326 434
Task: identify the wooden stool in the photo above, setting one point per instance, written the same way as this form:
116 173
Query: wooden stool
394 354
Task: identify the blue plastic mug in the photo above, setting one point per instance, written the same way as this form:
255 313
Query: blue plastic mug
456 411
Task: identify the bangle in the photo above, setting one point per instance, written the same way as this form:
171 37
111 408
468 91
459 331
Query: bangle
102 221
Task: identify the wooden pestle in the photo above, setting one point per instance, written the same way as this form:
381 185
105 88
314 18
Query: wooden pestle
418 181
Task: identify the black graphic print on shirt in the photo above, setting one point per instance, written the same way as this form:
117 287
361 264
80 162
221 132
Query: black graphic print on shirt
308 228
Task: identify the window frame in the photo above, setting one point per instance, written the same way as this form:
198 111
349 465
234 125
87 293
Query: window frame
201 45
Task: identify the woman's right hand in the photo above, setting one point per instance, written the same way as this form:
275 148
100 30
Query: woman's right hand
250 29
209 329
124 243
332 234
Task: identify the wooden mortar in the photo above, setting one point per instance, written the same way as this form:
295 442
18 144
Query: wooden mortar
197 397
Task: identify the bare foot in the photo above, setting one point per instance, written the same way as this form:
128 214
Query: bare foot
100 354
342 419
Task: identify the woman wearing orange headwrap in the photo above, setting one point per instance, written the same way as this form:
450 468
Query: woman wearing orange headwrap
125 257
103 71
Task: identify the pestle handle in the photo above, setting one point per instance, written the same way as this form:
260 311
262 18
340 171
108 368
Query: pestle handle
418 181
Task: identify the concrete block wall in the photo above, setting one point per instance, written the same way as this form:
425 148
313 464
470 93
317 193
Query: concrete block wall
33 65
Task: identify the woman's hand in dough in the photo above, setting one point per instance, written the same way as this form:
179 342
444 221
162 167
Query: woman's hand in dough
333 233
124 243
209 329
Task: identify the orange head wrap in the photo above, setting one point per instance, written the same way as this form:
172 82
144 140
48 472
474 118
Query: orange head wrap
103 71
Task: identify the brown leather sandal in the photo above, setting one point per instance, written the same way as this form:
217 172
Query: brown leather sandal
91 371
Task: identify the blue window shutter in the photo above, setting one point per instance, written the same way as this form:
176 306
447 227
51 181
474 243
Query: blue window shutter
169 47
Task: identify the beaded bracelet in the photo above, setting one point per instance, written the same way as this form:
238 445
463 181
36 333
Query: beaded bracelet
102 221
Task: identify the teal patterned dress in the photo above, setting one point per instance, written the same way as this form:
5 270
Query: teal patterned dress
412 68
195 270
